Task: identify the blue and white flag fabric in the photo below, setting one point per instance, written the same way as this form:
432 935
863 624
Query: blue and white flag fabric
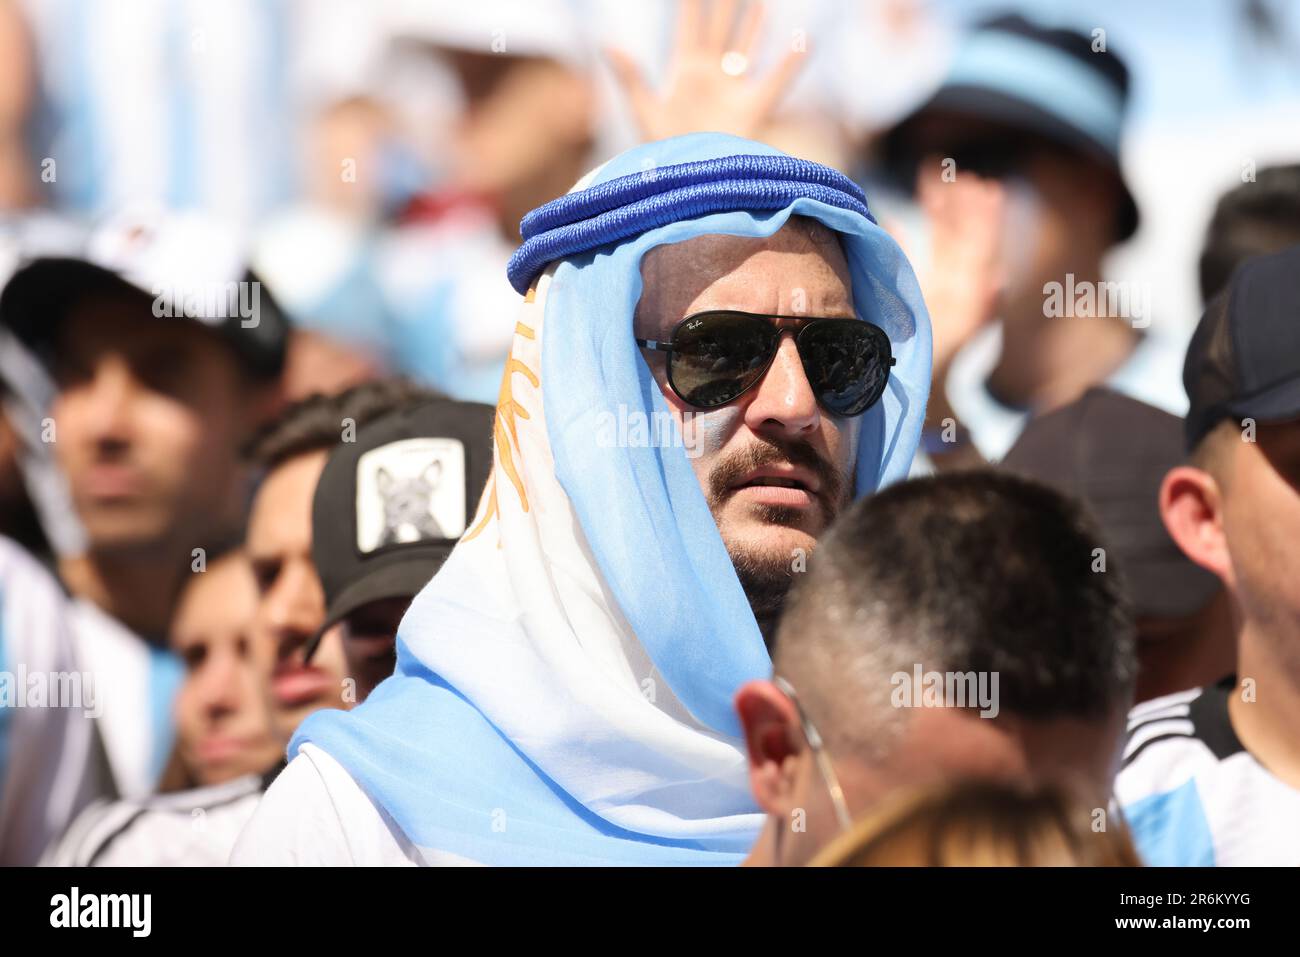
564 684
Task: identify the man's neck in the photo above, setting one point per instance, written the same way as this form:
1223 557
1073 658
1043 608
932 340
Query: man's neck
763 853
1266 711
138 591
1049 361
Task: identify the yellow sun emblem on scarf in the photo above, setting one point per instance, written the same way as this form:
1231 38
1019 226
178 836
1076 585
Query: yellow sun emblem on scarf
505 432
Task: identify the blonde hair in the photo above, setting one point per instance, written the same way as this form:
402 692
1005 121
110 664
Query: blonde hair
982 824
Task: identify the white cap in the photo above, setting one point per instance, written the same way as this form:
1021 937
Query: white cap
189 265
168 253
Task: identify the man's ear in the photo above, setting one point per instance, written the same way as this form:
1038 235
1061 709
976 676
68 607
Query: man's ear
1191 504
773 740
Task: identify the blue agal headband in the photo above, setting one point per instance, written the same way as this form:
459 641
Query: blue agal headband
631 205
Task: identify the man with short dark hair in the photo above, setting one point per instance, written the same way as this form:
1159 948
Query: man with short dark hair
949 626
1255 218
1018 170
165 353
1212 775
291 606
387 512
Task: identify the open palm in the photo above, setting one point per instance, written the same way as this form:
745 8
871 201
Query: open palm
709 85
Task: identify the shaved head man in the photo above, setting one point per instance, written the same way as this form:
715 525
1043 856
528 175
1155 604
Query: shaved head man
948 627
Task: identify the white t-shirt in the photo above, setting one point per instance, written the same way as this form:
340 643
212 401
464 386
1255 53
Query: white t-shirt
315 815
85 707
195 828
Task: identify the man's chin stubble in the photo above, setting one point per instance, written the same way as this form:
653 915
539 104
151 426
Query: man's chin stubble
766 579
766 574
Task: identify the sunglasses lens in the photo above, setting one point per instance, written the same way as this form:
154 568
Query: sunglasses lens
847 364
718 356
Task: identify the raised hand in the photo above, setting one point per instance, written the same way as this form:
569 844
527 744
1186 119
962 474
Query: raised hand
965 273
710 85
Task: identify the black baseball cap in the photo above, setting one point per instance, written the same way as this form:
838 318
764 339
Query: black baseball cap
1244 359
390 506
1112 452
179 265
1015 82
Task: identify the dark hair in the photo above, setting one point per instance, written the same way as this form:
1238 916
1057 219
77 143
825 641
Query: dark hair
317 422
972 571
1253 219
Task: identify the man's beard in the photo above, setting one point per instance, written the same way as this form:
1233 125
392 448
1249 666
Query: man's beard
766 576
766 580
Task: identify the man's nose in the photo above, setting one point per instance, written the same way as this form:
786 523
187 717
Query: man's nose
293 608
783 401
108 402
219 686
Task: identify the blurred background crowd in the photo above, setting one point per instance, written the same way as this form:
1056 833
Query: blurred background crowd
369 161
377 156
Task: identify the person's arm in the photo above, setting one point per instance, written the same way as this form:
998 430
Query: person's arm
960 287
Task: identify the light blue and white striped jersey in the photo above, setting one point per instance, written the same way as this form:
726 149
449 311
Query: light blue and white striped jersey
193 828
177 103
1194 796
85 707
51 763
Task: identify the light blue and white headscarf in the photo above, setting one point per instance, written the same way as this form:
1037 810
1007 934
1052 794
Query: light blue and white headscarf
564 684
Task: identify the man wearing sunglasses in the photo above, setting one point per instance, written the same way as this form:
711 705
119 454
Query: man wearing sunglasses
759 353
563 685
1015 163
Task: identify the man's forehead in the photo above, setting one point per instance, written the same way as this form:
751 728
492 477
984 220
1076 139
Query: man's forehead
122 321
803 260
712 251
283 499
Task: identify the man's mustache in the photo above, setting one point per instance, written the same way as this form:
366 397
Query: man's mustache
776 452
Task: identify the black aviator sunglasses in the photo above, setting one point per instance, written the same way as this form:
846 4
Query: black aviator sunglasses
717 356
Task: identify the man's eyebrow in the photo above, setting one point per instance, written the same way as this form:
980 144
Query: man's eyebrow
844 311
